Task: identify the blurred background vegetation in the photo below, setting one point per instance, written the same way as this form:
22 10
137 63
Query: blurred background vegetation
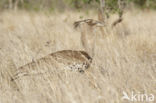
62 5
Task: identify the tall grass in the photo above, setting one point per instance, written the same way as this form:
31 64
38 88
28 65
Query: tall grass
125 58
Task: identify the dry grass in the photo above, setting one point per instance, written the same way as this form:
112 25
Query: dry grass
125 58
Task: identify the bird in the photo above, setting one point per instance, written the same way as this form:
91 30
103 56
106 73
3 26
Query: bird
75 60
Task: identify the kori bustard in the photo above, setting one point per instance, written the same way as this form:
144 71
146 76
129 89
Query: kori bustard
68 59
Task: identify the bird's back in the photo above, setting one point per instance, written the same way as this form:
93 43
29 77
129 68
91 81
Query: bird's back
66 59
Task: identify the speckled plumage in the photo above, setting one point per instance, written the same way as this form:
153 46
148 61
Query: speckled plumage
69 59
